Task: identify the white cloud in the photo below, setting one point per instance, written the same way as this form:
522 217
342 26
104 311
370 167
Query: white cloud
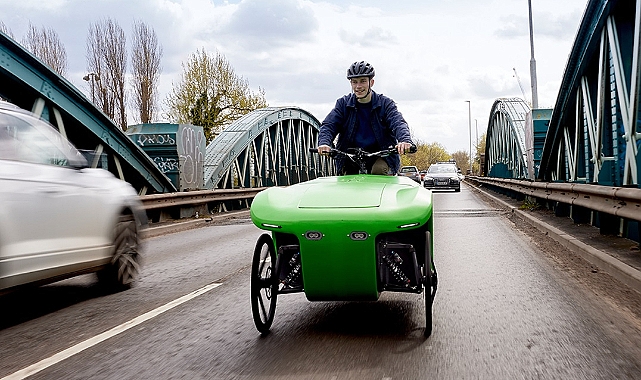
430 56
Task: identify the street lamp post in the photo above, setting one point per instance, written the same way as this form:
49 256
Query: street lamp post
93 77
469 114
535 95
476 123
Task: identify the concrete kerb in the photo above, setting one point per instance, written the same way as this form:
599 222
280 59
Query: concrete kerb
615 268
178 226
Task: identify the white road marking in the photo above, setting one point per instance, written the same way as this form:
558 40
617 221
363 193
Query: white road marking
71 351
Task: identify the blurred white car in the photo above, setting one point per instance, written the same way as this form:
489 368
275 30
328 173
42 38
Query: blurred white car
58 217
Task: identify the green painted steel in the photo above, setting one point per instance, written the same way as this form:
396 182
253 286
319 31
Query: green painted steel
336 267
505 147
540 123
266 147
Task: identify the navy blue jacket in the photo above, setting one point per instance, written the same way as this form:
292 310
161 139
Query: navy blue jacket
387 123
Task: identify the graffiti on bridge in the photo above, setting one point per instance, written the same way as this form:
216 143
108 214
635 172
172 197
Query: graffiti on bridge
166 164
192 157
158 139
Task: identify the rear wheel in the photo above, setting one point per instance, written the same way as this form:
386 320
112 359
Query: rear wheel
124 268
264 287
429 288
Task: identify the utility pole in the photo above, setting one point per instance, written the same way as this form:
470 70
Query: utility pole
535 96
476 122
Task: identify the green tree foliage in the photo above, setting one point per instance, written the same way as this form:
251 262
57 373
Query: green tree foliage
462 159
426 154
480 152
211 95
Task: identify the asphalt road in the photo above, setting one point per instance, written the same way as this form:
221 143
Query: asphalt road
505 309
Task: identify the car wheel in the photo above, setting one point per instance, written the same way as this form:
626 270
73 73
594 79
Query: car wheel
124 268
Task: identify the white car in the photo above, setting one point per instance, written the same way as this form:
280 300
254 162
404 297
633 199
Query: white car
58 217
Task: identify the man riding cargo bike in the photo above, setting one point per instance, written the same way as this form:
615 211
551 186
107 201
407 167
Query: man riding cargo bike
348 237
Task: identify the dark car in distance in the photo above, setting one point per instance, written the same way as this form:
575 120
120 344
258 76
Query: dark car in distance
442 176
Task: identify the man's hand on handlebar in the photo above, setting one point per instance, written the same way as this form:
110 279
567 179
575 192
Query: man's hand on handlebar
324 150
404 147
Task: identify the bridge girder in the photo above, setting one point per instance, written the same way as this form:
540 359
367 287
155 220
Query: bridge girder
593 135
28 83
267 147
505 148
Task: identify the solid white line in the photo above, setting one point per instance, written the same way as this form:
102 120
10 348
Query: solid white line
71 351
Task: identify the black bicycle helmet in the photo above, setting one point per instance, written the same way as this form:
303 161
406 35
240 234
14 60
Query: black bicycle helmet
360 69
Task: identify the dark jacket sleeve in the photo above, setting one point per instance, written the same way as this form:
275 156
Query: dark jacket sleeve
397 123
332 124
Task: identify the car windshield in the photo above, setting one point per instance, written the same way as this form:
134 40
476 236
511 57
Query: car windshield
408 169
27 139
442 169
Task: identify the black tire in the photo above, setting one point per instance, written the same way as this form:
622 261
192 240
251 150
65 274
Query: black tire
124 268
428 295
264 284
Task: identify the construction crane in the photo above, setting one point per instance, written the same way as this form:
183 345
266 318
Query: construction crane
516 75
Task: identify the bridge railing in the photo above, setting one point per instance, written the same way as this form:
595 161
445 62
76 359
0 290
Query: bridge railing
584 203
171 206
624 202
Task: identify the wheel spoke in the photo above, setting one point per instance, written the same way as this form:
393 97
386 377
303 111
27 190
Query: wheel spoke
264 260
263 312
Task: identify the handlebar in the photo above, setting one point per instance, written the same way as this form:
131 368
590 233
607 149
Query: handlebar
358 152
359 157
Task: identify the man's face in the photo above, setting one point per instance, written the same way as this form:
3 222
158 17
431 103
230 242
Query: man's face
361 85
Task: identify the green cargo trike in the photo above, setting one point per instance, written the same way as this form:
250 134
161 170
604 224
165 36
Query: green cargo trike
343 238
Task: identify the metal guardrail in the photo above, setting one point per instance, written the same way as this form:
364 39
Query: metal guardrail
196 198
624 202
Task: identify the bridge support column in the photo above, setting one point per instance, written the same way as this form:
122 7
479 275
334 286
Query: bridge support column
561 209
608 224
580 215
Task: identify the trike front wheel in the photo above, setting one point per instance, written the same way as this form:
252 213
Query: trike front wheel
429 285
264 285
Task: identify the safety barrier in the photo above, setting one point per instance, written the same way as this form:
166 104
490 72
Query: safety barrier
624 202
162 207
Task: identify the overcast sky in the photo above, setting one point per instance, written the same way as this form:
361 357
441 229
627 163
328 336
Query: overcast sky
430 56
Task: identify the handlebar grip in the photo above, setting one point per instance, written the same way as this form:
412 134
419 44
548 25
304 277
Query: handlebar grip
412 149
313 150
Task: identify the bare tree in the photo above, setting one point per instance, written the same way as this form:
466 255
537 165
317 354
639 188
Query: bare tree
96 66
45 44
145 67
107 63
5 29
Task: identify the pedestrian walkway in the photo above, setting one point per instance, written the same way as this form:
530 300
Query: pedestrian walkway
619 257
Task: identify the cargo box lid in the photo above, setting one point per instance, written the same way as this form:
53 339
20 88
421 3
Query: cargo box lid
344 194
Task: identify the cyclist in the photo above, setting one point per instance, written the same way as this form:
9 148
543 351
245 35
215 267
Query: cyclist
366 120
